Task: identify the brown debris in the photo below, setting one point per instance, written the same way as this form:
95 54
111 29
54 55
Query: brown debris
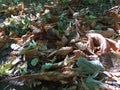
51 54
49 76
63 51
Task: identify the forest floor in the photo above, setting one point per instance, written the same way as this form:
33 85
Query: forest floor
60 45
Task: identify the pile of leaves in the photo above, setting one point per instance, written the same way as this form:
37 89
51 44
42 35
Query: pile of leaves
59 42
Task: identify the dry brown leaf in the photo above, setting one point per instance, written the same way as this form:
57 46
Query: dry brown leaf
112 43
30 54
49 6
62 51
115 17
49 26
21 6
97 40
77 54
116 22
105 33
11 10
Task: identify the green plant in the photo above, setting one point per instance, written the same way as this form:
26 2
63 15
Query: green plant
5 68
47 66
63 2
34 61
16 1
17 25
90 69
23 70
31 45
62 23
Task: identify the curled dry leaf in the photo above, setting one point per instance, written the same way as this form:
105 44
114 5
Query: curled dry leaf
62 51
97 40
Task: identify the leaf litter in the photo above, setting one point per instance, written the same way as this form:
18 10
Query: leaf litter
75 49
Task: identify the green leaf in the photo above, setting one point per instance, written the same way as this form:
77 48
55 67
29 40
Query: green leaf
91 1
53 59
32 45
47 66
16 1
23 71
23 22
93 84
98 27
89 67
34 61
6 68
92 17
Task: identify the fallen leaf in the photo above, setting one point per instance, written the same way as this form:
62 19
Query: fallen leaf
62 51
34 61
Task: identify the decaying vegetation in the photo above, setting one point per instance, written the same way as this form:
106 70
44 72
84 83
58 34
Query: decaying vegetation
72 44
